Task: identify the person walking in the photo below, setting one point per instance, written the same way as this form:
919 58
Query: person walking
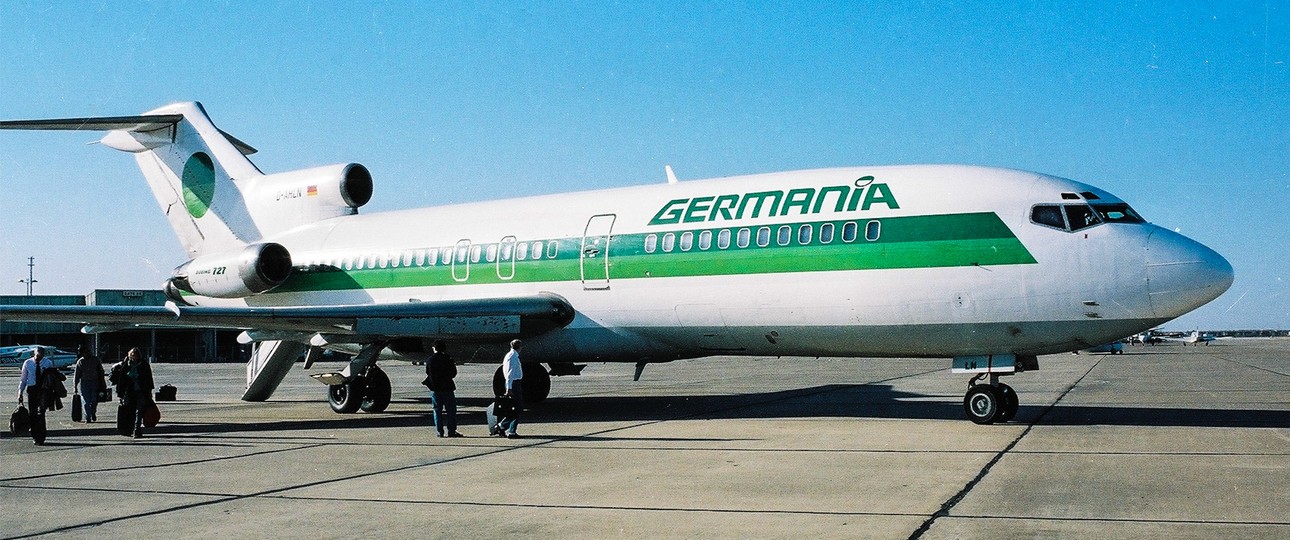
440 370
88 380
513 372
135 385
29 386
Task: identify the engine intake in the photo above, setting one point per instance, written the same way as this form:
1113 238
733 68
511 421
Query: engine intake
256 269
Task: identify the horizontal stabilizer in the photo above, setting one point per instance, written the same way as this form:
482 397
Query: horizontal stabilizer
136 124
148 122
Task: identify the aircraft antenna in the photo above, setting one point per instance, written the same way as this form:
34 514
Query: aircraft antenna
671 176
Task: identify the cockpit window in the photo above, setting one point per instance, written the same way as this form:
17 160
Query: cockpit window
1080 216
1048 214
1117 213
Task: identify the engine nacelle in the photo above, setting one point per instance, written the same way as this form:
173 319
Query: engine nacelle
279 202
256 269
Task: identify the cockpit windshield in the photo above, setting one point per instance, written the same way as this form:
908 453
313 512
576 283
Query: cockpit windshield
1074 217
1117 213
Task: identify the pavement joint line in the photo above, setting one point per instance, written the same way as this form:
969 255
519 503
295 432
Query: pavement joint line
1260 368
1130 520
158 466
953 501
607 507
276 491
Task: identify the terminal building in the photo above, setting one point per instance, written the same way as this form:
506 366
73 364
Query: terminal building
161 345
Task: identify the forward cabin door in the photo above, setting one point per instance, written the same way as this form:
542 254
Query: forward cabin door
595 252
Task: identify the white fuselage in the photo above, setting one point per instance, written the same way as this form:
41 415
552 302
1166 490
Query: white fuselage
937 277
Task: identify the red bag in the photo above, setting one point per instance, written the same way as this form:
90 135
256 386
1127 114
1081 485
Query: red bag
151 416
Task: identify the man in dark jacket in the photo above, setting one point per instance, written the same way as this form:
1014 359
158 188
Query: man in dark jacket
440 371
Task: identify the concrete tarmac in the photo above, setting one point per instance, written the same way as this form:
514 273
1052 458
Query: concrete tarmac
1162 442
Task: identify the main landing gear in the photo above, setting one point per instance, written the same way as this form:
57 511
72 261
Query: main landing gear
369 392
536 382
990 402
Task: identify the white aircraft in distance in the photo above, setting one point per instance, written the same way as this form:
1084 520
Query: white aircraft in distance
1197 338
987 267
16 355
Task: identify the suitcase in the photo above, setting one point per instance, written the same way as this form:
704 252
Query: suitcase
491 417
124 420
77 409
19 421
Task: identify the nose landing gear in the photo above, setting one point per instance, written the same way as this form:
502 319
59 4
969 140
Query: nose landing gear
991 402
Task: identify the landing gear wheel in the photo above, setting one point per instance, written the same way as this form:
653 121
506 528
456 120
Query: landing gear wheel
536 383
982 404
1008 408
346 397
377 396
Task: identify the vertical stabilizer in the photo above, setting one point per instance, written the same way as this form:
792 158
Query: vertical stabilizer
197 172
194 170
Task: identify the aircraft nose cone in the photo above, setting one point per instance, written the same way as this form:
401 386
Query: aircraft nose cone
1183 274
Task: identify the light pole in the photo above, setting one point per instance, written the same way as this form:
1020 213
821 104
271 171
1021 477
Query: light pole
31 267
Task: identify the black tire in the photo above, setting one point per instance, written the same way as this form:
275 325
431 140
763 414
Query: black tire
1009 405
377 396
536 382
499 382
982 404
347 397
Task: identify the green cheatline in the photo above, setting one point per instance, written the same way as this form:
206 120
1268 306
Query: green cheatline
974 239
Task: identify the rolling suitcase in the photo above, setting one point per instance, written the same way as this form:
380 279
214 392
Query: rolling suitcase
76 408
124 420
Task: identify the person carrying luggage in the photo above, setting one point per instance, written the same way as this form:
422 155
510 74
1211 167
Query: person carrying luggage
134 383
29 386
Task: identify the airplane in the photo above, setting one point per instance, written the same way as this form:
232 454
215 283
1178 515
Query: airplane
986 267
1197 338
17 354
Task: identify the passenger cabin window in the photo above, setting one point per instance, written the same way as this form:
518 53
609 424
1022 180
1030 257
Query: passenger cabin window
872 230
763 237
522 251
491 253
669 242
723 239
705 240
651 243
744 238
804 234
785 235
826 233
551 247
849 231
687 241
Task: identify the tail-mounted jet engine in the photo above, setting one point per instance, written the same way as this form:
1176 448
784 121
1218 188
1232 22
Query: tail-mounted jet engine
256 269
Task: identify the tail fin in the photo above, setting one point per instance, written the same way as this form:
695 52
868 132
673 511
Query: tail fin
216 200
192 167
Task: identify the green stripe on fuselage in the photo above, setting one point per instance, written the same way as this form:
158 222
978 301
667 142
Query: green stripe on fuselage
976 239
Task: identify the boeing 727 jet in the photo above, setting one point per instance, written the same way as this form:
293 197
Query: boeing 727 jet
985 267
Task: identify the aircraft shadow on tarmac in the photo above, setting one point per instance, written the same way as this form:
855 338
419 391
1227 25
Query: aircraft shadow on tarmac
829 401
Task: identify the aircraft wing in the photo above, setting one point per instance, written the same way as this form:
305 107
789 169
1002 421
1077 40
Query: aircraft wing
477 318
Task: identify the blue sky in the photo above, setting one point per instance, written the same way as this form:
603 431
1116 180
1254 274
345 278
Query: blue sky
1181 108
